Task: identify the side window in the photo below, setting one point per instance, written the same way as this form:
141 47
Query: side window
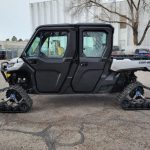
94 43
34 48
54 44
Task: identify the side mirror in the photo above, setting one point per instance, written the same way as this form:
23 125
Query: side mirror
24 54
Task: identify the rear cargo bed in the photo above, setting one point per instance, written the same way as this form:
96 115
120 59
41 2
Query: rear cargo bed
130 62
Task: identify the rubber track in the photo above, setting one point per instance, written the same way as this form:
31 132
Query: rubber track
17 109
128 89
133 106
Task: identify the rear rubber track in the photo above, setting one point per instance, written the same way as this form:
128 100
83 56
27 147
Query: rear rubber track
132 104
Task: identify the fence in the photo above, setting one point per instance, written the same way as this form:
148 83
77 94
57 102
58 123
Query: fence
10 53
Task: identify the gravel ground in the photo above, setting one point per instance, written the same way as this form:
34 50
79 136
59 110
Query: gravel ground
81 122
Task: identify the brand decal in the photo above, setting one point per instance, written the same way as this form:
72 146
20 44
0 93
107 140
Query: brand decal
144 62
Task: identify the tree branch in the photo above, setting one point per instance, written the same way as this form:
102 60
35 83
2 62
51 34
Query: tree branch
129 3
131 9
110 21
111 11
138 6
144 34
132 3
110 14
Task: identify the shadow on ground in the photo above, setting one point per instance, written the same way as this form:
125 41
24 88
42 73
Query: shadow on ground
46 102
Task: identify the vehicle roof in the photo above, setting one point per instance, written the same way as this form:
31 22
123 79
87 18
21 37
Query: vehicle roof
77 25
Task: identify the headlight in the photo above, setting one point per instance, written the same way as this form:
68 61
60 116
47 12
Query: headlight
10 65
7 75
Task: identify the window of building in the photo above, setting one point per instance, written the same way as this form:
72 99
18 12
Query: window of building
123 25
94 43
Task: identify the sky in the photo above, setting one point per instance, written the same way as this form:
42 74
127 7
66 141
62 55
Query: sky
15 19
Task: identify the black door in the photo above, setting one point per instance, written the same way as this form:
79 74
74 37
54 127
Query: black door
50 54
95 48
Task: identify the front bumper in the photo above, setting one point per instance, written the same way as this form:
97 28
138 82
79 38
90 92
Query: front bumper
3 66
3 70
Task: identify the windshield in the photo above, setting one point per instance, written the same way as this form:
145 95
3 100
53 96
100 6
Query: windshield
34 48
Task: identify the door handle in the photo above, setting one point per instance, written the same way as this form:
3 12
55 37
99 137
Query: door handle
69 59
84 64
32 61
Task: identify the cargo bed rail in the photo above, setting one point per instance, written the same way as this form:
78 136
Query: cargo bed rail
131 57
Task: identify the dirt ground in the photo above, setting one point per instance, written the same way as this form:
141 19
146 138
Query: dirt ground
81 122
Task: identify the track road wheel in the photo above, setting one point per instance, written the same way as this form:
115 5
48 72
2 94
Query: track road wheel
137 93
16 101
125 104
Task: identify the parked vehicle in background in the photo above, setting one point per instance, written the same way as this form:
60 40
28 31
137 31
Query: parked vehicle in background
117 51
2 54
142 52
8 53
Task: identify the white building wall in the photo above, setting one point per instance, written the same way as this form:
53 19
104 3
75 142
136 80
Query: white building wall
57 11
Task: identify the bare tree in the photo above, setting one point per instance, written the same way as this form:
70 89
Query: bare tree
14 39
111 13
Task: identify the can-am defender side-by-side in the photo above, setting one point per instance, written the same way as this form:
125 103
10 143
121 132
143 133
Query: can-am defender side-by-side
70 59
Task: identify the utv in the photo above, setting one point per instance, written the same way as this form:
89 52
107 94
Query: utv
70 59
